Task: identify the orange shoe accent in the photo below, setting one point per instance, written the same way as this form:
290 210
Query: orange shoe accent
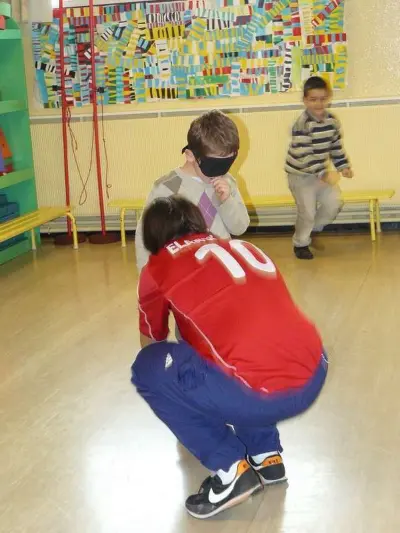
243 466
273 460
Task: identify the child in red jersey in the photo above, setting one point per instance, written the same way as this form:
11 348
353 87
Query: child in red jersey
250 360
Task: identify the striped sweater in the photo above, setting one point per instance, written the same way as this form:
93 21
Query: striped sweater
313 143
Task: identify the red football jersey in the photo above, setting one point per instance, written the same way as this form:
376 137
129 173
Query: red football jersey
232 305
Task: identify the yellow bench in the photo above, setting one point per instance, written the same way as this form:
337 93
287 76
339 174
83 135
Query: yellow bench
372 198
124 206
35 219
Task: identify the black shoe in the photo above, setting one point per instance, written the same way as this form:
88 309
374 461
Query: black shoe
214 497
303 252
271 471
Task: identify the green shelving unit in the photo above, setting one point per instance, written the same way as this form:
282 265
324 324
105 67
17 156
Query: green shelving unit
11 106
19 185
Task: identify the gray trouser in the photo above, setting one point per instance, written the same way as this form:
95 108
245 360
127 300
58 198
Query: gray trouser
318 204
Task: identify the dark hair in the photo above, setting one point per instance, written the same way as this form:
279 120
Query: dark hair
315 82
213 133
166 219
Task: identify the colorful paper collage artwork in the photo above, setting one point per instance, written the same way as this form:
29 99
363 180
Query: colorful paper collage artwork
151 51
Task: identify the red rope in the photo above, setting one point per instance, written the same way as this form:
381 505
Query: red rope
64 111
96 119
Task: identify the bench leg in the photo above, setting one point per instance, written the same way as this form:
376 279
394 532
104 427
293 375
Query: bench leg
74 230
33 239
123 232
378 216
372 219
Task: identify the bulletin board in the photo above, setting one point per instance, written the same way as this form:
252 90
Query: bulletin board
190 50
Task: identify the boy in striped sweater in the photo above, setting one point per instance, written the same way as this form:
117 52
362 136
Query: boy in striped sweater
315 139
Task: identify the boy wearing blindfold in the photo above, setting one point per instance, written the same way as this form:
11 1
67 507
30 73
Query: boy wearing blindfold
204 179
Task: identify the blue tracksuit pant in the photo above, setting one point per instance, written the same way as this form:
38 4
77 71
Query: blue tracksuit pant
198 403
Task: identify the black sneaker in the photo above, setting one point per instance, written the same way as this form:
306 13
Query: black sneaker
214 497
271 471
303 252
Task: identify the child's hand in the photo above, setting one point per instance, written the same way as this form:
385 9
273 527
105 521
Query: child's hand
222 188
347 173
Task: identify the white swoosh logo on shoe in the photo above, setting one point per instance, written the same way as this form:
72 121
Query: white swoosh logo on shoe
217 498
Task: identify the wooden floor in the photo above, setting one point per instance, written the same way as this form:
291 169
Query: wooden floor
81 453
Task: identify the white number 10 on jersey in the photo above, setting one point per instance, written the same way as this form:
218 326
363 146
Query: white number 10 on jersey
231 264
